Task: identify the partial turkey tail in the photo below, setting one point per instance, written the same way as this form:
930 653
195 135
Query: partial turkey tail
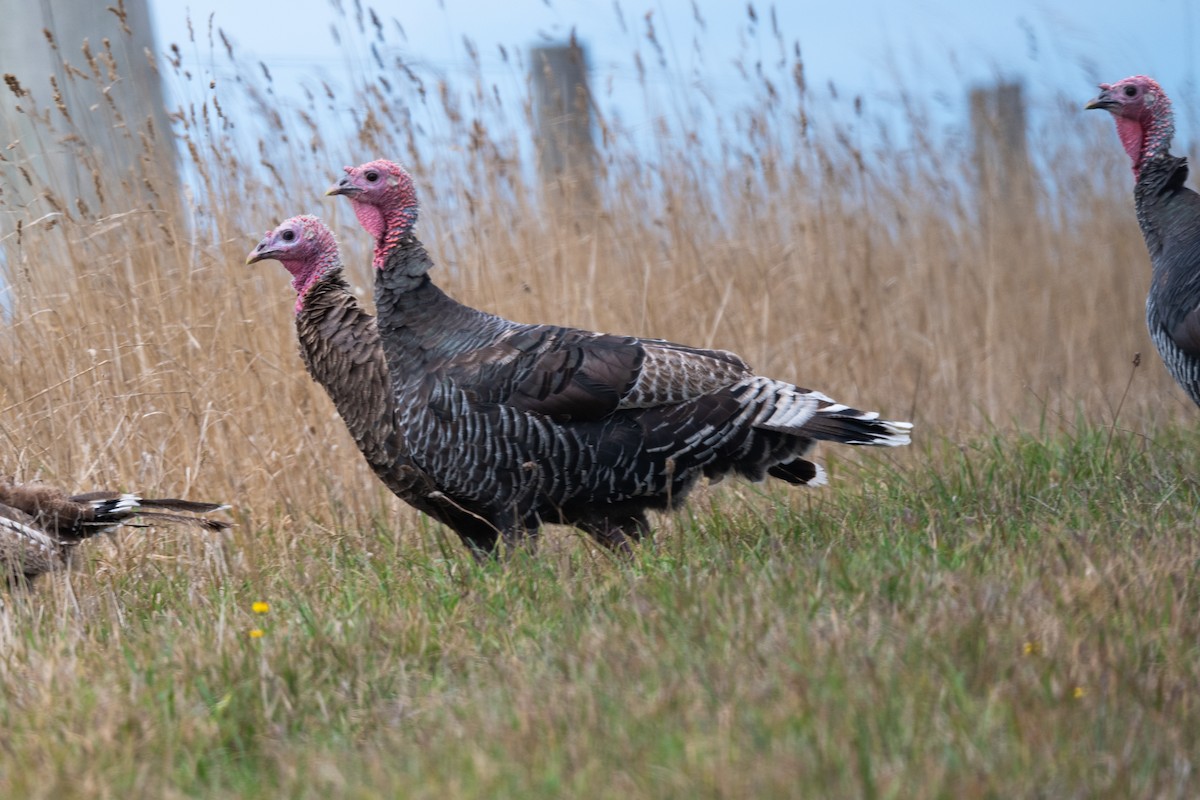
851 426
800 472
111 508
188 506
838 423
108 507
182 519
786 408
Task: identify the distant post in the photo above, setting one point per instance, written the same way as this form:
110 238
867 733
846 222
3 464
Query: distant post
85 109
998 126
1005 201
563 107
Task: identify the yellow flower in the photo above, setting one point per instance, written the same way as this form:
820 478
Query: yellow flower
1032 648
256 633
1079 692
260 607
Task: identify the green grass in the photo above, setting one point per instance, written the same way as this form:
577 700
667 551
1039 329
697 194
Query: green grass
1013 617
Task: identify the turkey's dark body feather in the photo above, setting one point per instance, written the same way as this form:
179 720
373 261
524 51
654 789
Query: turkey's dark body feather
527 424
341 349
1169 215
40 524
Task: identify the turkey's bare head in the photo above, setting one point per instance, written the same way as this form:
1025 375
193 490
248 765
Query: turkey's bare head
1145 123
384 198
305 247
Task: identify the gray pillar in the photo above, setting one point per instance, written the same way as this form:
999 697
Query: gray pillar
998 126
563 107
86 110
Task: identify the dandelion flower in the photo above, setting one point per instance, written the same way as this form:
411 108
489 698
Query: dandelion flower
256 633
1032 649
1079 692
260 607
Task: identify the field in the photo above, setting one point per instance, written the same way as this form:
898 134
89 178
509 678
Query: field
1006 608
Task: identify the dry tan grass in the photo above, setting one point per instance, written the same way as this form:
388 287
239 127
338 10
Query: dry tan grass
141 353
142 350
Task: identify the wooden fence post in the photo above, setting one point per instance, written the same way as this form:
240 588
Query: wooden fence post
563 106
83 102
998 127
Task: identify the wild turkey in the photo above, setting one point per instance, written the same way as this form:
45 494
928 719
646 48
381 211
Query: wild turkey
340 347
527 424
1169 215
39 524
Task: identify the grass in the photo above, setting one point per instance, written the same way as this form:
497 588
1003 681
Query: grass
1015 617
1007 608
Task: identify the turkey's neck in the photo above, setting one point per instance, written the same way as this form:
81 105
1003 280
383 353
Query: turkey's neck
420 325
328 309
323 292
390 227
337 337
1158 179
305 275
1146 141
1155 170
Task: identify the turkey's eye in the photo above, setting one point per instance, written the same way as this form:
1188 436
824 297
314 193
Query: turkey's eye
372 176
287 236
1130 91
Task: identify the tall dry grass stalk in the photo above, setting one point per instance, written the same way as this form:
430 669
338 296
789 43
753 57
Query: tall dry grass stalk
798 232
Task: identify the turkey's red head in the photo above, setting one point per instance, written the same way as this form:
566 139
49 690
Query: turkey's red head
305 247
384 198
1145 123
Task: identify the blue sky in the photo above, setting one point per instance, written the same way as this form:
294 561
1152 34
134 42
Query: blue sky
872 47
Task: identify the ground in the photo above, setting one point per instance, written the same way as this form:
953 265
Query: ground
1015 616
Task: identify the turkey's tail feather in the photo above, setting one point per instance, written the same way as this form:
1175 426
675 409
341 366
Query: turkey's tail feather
786 408
110 508
799 472
188 506
851 426
183 519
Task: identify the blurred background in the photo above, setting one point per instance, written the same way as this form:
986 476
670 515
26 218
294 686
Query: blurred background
903 205
693 50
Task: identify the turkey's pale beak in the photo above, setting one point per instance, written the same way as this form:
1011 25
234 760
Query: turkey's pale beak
262 252
1103 100
344 187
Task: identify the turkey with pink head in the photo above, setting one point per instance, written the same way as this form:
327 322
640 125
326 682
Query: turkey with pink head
340 347
1169 215
530 424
